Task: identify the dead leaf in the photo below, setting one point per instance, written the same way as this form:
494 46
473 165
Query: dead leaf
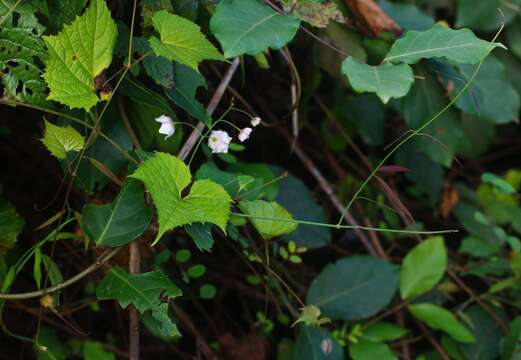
370 18
449 200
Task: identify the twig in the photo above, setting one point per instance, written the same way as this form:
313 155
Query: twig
217 96
134 263
106 256
473 296
432 340
126 122
189 326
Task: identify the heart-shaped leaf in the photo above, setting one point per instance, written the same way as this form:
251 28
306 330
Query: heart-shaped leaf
165 177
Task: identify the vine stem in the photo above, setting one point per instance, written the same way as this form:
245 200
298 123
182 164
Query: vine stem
217 96
106 256
407 138
337 226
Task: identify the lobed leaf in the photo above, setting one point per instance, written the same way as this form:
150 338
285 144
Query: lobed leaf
149 291
165 177
181 40
78 54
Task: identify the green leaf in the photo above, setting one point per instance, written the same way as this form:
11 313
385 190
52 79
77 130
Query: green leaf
513 34
423 267
460 46
11 225
311 315
61 13
354 288
150 7
316 344
207 291
181 40
250 27
499 183
487 333
511 344
298 200
484 15
490 96
440 319
201 234
269 218
22 47
121 221
187 81
369 350
383 331
423 102
78 54
60 140
196 271
386 80
165 177
93 350
407 16
147 291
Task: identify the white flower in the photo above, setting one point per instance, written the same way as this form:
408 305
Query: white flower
167 126
244 134
219 141
255 121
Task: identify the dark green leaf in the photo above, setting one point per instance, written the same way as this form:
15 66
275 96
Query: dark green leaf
487 333
201 234
297 199
354 288
145 291
11 225
187 81
121 221
316 344
249 27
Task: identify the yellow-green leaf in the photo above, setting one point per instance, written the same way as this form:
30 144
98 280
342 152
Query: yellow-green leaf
78 54
165 177
269 218
181 40
60 140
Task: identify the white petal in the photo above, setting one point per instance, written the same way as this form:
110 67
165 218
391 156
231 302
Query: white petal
163 119
255 121
244 134
219 141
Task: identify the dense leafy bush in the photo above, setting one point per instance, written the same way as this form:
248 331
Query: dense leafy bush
351 190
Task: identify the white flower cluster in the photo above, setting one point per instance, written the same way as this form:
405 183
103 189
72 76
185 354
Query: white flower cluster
218 141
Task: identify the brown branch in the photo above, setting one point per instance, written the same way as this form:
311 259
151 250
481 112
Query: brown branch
106 256
134 264
217 96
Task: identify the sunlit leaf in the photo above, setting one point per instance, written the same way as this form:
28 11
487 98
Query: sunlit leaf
78 54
